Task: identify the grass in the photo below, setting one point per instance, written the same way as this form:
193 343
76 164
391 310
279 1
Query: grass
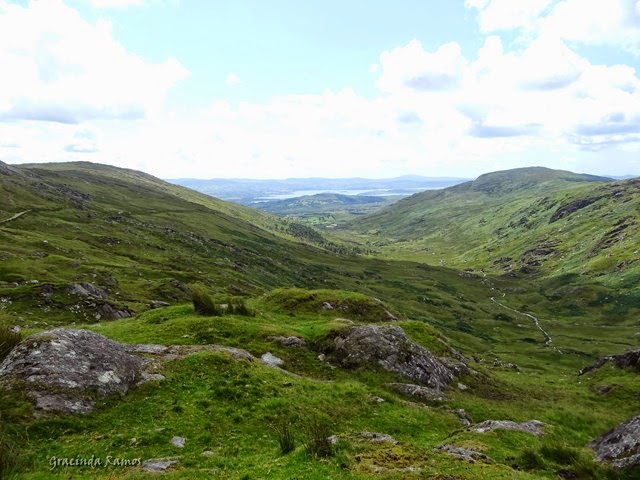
9 338
143 241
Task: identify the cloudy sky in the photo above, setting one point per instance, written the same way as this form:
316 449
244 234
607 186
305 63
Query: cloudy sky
335 88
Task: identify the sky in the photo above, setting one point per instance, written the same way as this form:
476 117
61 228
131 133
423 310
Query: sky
337 88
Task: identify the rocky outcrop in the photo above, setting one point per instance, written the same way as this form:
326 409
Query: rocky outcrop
620 446
461 453
388 347
418 392
534 427
68 370
625 360
289 341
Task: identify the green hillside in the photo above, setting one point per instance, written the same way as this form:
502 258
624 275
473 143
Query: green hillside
326 209
118 251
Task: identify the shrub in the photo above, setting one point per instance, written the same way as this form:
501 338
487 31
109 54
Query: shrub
286 438
203 304
560 454
238 306
318 430
8 340
530 460
7 456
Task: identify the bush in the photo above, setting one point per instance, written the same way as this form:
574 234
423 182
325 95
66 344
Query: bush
286 438
560 454
318 443
7 456
8 340
203 304
238 306
530 460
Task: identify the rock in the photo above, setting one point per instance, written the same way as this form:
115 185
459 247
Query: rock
462 387
626 360
67 370
456 366
463 417
376 437
107 311
461 453
327 306
207 454
178 442
158 465
150 377
388 347
620 446
322 357
159 304
533 427
86 289
271 360
289 341
418 392
507 365
376 399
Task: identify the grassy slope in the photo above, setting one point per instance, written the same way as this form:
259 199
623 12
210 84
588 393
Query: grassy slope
504 223
326 209
163 232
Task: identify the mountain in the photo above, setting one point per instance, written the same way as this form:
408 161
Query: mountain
556 226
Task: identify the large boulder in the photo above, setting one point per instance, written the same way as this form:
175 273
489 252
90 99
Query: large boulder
620 446
388 346
68 370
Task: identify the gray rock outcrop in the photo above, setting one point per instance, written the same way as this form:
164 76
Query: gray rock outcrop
68 370
625 360
534 427
418 392
388 347
620 446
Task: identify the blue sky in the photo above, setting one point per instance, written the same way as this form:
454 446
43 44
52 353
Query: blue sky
335 88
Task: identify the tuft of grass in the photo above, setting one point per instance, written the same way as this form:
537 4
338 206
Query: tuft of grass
318 443
283 429
8 340
530 459
203 304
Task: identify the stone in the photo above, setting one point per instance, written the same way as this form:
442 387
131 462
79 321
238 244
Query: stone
158 465
86 289
461 453
418 392
376 399
534 427
463 417
64 370
376 437
159 304
462 387
289 341
388 347
620 446
271 360
178 442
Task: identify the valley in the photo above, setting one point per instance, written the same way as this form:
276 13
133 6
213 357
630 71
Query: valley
511 283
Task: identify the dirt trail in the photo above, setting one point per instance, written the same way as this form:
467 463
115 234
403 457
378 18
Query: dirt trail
17 215
547 337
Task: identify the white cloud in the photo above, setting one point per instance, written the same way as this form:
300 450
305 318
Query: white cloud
590 22
232 79
58 67
115 3
498 15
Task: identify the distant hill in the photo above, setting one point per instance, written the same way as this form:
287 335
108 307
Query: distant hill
326 209
532 221
248 191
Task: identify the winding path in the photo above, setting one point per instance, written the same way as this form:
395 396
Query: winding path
17 215
547 337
